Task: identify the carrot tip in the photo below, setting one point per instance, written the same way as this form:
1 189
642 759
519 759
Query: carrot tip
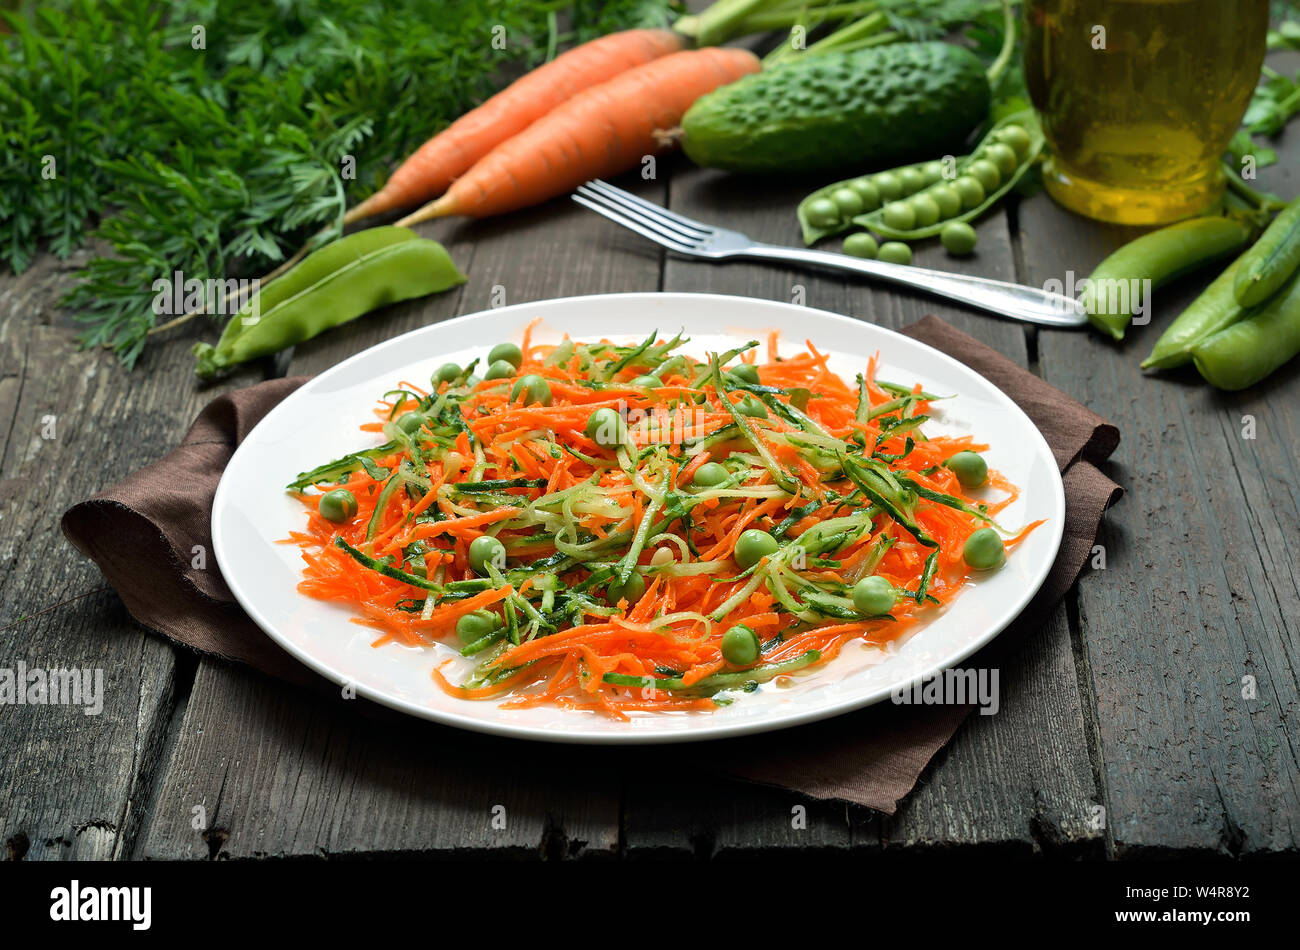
441 208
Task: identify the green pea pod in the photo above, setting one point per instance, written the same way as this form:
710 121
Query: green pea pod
330 287
875 220
1244 353
1205 316
814 228
311 269
1114 289
1273 259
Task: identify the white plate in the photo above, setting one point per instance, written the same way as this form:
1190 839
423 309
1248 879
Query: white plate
320 420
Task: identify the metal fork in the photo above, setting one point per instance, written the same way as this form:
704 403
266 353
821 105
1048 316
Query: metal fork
696 239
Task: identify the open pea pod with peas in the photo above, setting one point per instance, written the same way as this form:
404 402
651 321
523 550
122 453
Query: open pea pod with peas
918 201
975 183
831 209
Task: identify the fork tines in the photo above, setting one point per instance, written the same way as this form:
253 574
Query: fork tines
664 227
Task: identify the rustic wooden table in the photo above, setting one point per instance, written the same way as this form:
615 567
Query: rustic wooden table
1128 724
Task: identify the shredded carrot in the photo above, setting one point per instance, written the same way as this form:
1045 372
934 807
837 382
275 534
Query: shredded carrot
597 573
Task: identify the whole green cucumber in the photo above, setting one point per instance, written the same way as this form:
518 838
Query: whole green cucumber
1274 258
1246 352
869 107
1214 309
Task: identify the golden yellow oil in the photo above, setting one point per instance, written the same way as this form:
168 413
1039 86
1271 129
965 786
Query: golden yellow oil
1139 98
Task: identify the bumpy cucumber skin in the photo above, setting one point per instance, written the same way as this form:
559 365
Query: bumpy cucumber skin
865 108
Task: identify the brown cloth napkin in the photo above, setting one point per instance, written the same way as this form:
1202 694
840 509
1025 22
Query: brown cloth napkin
150 536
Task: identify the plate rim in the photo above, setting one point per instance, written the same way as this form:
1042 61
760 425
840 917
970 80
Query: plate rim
704 732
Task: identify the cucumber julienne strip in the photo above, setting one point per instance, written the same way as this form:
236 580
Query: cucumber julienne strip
385 496
333 471
779 475
379 567
878 493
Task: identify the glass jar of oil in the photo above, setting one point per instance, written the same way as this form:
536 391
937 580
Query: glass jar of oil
1139 98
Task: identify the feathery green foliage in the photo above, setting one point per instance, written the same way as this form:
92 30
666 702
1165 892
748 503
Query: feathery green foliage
212 136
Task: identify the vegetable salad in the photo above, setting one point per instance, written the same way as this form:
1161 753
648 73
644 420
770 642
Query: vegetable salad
626 528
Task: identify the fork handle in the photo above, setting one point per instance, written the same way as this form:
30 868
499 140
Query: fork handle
996 296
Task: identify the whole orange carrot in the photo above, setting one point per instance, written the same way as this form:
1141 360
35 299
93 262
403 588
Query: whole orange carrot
601 131
446 156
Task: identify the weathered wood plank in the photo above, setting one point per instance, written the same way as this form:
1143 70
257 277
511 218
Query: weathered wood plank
991 784
72 785
682 812
1028 765
1200 588
438 803
265 770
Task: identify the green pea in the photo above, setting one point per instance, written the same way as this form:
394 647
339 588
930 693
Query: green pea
861 244
899 216
446 373
868 192
926 210
508 352
874 596
746 373
848 201
984 550
473 627
823 213
647 382
710 474
535 388
606 428
740 646
500 369
970 191
895 252
408 422
888 185
339 505
946 197
485 550
1003 156
932 171
958 238
631 591
985 172
911 180
970 468
750 406
1017 138
752 546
